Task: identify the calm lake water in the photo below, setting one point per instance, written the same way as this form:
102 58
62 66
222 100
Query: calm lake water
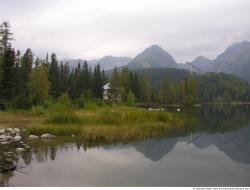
216 153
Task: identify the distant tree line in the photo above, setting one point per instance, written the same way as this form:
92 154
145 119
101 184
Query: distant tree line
221 87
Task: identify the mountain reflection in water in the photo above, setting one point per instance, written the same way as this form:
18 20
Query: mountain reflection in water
217 153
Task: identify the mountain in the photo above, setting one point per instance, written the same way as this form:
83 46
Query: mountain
106 63
235 60
110 62
153 57
202 63
73 62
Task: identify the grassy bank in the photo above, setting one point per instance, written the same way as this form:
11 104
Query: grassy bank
100 124
112 124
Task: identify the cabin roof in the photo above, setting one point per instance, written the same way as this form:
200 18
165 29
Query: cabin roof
106 86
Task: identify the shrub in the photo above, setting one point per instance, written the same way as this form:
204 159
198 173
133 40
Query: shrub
62 112
38 110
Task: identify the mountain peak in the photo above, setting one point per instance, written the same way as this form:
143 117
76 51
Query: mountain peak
156 46
153 57
201 58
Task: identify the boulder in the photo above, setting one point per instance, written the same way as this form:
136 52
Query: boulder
4 138
47 136
4 142
33 137
20 150
9 130
9 160
27 148
17 130
13 132
2 131
17 138
8 138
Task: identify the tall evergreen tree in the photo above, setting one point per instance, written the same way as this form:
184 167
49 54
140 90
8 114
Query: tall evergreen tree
25 70
54 77
5 37
7 83
97 82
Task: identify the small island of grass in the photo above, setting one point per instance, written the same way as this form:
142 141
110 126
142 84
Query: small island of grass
108 124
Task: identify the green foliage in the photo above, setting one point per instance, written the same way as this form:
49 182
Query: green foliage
38 110
131 98
54 77
62 112
7 72
39 85
223 88
97 82
117 124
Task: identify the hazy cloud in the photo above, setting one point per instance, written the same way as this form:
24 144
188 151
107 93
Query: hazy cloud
95 28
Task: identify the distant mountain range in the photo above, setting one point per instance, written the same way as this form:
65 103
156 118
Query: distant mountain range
234 60
106 63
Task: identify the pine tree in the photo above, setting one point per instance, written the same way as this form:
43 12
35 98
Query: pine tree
54 77
25 70
97 82
7 83
5 37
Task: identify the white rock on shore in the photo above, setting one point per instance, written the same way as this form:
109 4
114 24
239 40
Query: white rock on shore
19 150
33 137
2 131
47 136
17 138
17 130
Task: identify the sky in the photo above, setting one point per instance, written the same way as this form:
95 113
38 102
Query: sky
90 29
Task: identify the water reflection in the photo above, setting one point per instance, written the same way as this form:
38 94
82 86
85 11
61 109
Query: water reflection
217 153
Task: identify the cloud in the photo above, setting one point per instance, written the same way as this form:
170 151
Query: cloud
93 28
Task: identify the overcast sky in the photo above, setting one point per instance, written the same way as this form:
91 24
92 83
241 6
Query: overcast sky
94 28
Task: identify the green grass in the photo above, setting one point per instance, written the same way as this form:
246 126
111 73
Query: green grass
111 124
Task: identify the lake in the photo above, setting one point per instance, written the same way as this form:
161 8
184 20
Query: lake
215 153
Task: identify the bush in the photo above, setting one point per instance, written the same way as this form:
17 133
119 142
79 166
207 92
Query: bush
90 105
62 112
38 110
131 99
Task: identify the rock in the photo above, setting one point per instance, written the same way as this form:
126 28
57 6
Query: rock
2 136
2 131
4 142
17 130
9 160
20 150
27 148
17 138
8 138
47 136
33 137
8 153
9 130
